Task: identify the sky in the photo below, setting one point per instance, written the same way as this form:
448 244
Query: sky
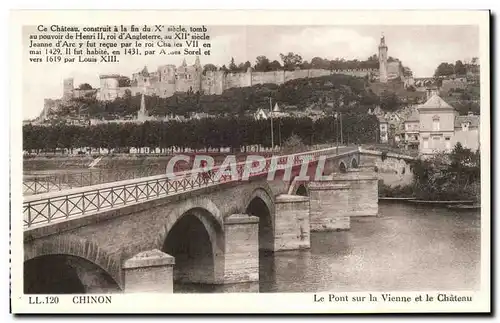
421 48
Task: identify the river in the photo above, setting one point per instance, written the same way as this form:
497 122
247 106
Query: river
406 248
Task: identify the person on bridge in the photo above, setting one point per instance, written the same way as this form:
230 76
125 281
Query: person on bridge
206 174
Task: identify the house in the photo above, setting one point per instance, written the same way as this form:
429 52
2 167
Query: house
441 127
412 130
277 113
260 114
467 131
383 129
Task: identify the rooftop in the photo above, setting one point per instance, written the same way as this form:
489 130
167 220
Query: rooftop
472 119
414 117
435 102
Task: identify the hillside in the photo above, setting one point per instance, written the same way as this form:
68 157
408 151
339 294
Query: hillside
347 93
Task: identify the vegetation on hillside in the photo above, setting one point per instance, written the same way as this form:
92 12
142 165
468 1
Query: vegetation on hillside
342 92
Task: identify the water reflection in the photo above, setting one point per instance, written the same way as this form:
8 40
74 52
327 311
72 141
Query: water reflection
407 247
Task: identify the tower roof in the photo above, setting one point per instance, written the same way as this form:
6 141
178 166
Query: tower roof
144 71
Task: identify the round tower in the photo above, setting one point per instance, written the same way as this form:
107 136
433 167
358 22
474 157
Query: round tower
382 59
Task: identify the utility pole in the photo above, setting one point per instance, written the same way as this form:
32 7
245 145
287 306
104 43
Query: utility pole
279 132
337 132
341 132
272 132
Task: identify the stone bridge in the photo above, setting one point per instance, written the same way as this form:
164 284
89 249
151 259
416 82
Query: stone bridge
140 235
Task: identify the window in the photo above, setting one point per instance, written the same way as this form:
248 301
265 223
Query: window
447 142
435 123
426 142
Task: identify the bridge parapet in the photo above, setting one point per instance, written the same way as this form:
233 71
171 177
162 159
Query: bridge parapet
43 209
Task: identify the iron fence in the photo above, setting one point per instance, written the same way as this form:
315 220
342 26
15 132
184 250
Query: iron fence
42 209
39 184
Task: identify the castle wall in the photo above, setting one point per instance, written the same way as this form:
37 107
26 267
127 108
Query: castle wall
83 93
273 77
319 72
297 74
213 82
238 80
168 79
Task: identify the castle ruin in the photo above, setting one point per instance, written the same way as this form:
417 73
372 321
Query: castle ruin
169 79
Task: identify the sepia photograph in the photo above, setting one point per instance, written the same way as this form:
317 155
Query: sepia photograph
345 161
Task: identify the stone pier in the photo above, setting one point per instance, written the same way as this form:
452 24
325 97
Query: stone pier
329 206
363 191
148 272
292 228
241 258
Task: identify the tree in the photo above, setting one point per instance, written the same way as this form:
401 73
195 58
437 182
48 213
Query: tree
389 101
444 69
232 66
275 66
291 61
262 64
460 68
305 65
85 86
246 66
318 62
209 67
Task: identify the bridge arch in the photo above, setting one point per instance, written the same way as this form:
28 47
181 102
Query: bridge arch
302 190
68 264
342 167
261 204
193 235
298 188
354 163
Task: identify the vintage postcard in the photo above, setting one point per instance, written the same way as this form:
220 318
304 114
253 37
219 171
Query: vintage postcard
250 161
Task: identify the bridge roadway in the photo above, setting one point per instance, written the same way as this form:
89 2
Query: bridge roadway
46 208
141 234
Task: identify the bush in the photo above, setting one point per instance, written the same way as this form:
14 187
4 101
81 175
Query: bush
395 191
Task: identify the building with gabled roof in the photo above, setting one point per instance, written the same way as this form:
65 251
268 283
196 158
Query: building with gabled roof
412 130
440 127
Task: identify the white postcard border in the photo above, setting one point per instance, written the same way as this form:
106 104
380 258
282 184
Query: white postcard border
246 303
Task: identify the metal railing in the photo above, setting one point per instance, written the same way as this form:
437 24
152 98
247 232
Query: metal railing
42 209
38 184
